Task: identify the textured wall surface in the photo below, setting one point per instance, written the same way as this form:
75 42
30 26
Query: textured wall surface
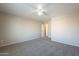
14 29
65 29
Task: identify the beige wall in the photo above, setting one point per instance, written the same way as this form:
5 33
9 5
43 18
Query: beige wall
65 29
15 29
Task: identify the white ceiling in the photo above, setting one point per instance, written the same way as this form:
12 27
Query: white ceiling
25 9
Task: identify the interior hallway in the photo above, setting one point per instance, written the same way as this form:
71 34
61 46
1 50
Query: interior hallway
40 47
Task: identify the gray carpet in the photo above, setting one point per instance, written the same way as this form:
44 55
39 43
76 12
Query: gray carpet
39 47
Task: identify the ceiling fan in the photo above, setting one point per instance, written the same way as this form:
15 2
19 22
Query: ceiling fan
39 10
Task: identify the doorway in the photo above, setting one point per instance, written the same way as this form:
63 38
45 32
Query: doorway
44 30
